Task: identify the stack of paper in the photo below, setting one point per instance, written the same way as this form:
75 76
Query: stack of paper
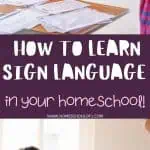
24 2
24 19
62 16
75 20
61 6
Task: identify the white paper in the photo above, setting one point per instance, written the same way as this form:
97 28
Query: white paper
25 2
61 6
22 20
2 2
76 19
50 28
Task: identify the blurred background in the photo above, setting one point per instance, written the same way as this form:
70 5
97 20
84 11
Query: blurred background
57 134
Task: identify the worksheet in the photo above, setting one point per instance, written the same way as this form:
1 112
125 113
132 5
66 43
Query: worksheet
22 20
75 20
25 2
61 6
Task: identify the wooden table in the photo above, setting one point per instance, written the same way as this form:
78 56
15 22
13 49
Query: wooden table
7 8
117 11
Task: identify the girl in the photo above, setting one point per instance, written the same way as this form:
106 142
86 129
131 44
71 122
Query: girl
145 16
30 148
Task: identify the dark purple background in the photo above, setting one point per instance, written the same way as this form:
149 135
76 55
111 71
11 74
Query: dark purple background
74 88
